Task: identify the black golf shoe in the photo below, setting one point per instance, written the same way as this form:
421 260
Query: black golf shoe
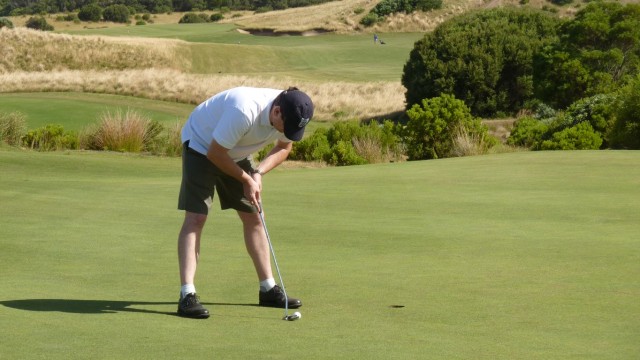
275 298
189 306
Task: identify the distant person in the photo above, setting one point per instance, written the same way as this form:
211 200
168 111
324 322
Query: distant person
218 139
375 38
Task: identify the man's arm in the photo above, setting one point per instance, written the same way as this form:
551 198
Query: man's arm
276 156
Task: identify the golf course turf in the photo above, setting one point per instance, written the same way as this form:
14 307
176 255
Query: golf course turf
529 255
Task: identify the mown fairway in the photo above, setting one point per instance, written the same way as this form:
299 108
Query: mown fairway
75 111
511 256
220 48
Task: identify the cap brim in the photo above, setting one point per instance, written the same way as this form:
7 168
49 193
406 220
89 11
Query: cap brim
294 133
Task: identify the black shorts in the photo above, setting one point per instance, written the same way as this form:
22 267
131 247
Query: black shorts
199 179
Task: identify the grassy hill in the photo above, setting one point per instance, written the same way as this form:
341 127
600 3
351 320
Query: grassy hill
337 16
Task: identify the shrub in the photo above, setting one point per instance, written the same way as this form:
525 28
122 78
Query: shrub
369 19
4 22
579 137
50 137
312 148
350 143
70 17
38 23
193 18
527 132
216 17
116 13
625 132
430 131
90 12
12 127
597 110
343 153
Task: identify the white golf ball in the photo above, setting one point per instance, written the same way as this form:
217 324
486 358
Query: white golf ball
297 313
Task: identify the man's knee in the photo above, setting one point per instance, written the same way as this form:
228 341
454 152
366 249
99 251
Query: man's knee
194 220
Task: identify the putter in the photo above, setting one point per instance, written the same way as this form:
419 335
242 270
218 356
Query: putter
287 317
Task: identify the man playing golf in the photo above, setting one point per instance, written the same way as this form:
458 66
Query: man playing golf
218 140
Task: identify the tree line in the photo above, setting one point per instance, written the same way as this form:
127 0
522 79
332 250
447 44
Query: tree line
30 7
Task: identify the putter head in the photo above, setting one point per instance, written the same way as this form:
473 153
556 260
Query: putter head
293 317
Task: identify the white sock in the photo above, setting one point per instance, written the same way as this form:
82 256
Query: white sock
187 289
266 285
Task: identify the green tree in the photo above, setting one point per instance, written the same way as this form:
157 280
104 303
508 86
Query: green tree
116 13
431 127
484 58
90 12
598 51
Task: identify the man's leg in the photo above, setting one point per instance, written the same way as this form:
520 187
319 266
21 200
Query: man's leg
188 255
257 246
255 240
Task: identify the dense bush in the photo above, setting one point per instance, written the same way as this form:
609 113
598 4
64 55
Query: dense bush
388 7
13 126
597 52
50 137
527 132
216 17
315 147
625 132
4 22
578 137
568 130
193 18
432 126
38 23
484 58
350 143
116 13
90 12
369 20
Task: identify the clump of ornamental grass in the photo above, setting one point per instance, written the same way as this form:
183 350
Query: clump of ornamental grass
13 127
124 131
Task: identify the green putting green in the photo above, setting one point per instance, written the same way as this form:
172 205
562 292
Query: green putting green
510 256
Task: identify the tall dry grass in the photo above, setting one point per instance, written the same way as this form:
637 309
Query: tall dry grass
29 50
355 100
13 126
35 61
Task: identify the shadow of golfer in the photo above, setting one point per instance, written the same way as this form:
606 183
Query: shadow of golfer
95 306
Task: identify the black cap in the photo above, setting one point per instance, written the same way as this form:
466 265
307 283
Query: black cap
297 110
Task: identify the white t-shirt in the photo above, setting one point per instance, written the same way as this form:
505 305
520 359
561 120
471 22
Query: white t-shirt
238 119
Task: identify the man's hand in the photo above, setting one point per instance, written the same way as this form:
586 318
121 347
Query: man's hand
219 156
253 189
